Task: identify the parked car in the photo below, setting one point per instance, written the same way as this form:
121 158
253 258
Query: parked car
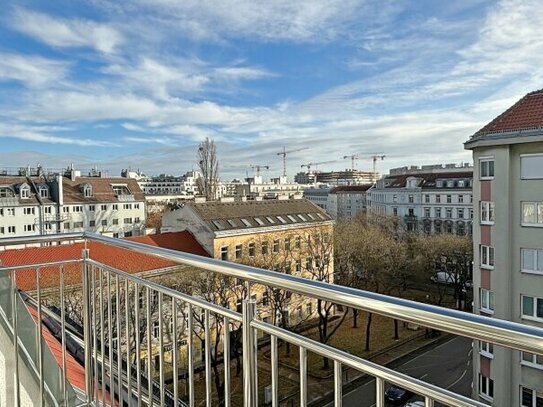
418 403
397 395
444 277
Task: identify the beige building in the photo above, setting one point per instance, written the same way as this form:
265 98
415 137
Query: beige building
508 247
291 236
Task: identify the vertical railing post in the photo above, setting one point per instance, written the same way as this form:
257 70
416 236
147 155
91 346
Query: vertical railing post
249 355
87 329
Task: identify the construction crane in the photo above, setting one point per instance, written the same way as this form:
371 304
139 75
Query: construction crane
353 158
375 157
312 164
257 168
284 154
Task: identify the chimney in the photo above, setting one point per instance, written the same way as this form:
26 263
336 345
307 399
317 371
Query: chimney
60 198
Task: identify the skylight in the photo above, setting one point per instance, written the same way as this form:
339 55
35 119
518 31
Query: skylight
246 222
281 219
259 221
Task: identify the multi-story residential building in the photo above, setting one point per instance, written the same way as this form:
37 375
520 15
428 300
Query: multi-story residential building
508 247
319 196
434 201
345 202
42 204
293 236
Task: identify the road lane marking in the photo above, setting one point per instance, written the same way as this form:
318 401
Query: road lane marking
457 380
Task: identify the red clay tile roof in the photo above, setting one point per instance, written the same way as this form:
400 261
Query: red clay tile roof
526 114
122 259
182 241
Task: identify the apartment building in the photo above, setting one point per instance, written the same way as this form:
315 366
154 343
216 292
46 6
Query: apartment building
39 203
342 202
508 247
291 236
436 200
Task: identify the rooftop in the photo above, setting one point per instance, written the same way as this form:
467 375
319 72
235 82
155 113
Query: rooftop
526 114
428 180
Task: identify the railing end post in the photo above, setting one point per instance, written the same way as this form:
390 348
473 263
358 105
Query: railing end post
250 384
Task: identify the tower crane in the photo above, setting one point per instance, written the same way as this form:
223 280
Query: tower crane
313 164
258 168
375 157
284 154
353 158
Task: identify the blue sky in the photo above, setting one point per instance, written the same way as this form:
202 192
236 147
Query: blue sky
139 84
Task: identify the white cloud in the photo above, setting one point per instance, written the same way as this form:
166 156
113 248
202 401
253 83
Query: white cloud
60 32
32 70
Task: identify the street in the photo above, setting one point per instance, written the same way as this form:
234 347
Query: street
448 365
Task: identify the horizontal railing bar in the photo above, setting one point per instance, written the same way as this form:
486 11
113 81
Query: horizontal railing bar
36 265
23 240
370 368
216 309
501 332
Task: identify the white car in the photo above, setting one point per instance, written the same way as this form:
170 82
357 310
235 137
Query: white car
443 277
416 404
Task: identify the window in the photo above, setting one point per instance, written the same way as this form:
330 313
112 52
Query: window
44 192
530 398
136 206
78 225
460 198
224 253
115 221
487 213
292 218
449 227
127 221
450 183
298 266
259 221
91 208
438 212
532 213
121 190
460 212
487 257
137 219
2 230
103 207
486 349
264 247
426 212
25 192
265 298
287 244
251 247
532 307
239 251
448 212
438 198
298 242
281 219
29 228
471 213
127 206
486 168
288 267
270 220
461 184
104 222
437 228
411 199
77 208
115 207
308 263
531 166
486 387
115 234
302 218
426 198
66 225
28 211
486 298
246 222
92 223
395 211
87 191
309 308
276 246
449 198
11 229
531 359
531 260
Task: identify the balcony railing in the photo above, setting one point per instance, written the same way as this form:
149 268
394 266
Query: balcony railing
123 316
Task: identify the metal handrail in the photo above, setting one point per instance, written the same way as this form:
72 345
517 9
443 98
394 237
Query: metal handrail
500 332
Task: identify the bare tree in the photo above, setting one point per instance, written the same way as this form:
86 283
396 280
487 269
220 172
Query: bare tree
209 167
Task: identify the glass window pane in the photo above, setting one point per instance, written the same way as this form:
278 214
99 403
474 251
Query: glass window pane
540 260
527 306
528 259
491 256
490 168
526 357
491 299
531 167
539 310
539 213
484 168
528 213
526 397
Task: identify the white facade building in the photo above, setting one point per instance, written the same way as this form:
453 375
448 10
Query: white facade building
438 201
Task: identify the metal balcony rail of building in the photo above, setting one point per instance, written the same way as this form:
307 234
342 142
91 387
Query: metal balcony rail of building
118 322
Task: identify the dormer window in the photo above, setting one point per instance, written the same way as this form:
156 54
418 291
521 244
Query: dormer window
86 189
44 191
121 190
450 184
6 192
24 191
